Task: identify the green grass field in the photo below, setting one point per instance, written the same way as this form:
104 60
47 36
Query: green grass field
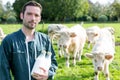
84 69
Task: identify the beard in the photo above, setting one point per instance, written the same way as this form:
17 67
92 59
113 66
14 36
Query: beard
30 24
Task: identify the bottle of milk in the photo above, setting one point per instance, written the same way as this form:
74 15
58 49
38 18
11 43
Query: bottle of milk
39 63
48 60
42 64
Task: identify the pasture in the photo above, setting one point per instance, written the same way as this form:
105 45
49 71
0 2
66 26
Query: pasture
84 69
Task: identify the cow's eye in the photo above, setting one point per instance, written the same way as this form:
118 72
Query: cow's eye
95 60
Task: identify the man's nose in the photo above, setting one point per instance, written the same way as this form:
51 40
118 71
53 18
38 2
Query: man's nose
33 17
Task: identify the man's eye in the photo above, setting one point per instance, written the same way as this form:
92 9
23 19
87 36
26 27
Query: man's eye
37 15
29 13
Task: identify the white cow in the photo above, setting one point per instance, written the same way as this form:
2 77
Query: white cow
111 29
2 35
52 28
92 34
72 40
102 53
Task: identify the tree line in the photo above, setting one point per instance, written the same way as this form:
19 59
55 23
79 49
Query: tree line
64 10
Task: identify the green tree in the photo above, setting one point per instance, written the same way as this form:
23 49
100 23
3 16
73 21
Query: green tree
64 9
116 7
98 9
1 10
95 10
8 11
58 10
17 6
108 11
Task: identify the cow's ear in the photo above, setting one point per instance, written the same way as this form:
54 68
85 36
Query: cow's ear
73 34
57 35
89 55
96 34
108 56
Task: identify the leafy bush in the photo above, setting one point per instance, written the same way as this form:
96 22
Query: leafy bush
0 20
102 18
11 19
89 19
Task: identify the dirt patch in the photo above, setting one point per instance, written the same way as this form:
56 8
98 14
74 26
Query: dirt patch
117 43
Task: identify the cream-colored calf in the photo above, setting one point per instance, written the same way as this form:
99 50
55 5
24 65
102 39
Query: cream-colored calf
2 35
92 34
102 53
72 40
52 28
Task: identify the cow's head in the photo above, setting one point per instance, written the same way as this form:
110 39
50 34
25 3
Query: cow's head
92 33
99 59
65 37
92 37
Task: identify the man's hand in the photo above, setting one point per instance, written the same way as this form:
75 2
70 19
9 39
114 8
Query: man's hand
43 76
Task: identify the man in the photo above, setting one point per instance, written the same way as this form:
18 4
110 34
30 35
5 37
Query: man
21 48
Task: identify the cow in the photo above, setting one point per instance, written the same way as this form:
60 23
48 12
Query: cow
92 34
72 41
52 28
2 35
111 29
102 53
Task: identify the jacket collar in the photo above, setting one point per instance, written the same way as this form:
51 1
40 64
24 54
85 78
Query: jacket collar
22 35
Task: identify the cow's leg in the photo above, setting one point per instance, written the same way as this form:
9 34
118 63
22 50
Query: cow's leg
59 51
79 54
67 60
96 75
106 70
89 44
74 58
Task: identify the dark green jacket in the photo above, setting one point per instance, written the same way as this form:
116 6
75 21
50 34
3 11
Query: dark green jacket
19 56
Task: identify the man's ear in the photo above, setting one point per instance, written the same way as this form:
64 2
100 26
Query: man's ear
21 15
89 55
40 19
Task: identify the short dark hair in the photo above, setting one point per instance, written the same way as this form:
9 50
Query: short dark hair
31 3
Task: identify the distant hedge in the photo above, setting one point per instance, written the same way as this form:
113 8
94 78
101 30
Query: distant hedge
102 18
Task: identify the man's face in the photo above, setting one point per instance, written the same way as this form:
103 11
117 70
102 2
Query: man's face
31 17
